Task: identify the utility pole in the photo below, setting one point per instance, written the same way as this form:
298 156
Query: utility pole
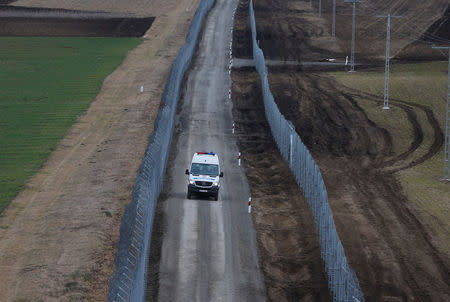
387 67
447 120
352 58
320 8
333 24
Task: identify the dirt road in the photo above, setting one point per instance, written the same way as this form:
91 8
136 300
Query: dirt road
58 237
209 250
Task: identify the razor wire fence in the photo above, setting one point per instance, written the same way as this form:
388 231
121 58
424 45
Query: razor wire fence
342 280
129 280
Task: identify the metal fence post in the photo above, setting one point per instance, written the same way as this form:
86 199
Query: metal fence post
291 142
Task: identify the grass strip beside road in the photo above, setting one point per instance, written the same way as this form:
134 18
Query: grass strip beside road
423 83
46 83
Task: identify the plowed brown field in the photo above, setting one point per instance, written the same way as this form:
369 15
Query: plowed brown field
394 251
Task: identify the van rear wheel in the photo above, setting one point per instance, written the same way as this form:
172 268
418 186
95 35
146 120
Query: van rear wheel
188 196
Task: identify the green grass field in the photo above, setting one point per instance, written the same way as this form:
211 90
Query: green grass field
45 84
425 84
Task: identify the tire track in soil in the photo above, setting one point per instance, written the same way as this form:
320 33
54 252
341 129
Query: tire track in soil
393 228
406 217
438 135
394 255
407 107
412 118
417 137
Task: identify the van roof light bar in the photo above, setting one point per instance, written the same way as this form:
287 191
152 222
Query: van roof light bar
207 153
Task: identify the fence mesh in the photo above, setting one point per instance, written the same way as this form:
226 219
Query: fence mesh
342 280
128 282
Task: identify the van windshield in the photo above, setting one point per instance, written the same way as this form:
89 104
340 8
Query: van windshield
205 169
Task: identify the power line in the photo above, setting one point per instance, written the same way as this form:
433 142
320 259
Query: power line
429 36
386 70
352 59
369 9
413 20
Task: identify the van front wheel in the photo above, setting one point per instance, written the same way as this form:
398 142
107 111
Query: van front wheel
216 196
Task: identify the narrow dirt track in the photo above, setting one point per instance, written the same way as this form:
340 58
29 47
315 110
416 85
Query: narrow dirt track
58 237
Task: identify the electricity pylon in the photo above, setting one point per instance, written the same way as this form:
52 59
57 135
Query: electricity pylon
352 58
387 67
320 8
333 24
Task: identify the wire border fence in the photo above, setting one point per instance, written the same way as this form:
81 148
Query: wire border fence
342 280
129 281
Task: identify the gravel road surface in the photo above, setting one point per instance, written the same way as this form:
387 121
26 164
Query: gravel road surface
209 248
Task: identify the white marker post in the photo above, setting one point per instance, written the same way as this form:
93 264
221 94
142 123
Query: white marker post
291 143
239 159
232 129
249 205
142 89
346 60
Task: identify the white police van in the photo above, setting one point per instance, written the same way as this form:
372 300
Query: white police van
204 175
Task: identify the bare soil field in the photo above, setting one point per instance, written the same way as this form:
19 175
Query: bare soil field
26 21
58 238
138 8
396 254
287 239
308 40
421 50
416 17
